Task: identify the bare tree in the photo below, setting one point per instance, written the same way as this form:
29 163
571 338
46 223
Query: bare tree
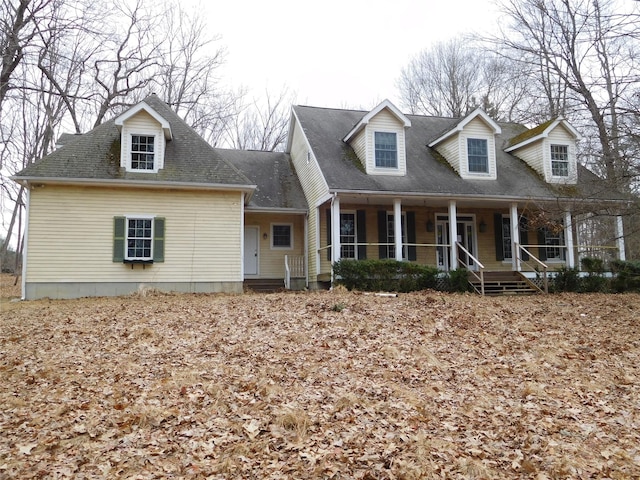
261 125
588 50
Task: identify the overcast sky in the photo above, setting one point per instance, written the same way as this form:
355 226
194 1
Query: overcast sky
336 53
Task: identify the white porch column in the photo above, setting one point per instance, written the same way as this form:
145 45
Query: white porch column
515 237
620 238
335 229
568 239
397 228
453 235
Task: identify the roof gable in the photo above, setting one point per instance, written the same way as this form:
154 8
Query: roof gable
539 132
364 121
142 106
477 113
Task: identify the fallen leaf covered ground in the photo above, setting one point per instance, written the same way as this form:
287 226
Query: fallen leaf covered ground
321 385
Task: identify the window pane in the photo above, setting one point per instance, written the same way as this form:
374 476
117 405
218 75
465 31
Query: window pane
386 150
142 148
477 155
139 238
281 235
559 160
506 237
347 235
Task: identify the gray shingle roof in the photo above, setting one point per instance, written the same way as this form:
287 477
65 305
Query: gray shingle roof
278 186
96 156
427 172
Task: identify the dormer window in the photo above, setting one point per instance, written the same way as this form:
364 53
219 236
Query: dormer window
386 144
477 155
560 160
142 152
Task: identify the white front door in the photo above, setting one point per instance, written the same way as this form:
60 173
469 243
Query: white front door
251 250
466 237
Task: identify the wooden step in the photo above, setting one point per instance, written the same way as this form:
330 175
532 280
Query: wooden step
263 285
503 283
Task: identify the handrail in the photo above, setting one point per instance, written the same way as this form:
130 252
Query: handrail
468 266
544 266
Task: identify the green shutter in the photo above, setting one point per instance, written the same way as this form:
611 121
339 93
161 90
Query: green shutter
119 234
382 233
497 232
412 253
158 239
361 234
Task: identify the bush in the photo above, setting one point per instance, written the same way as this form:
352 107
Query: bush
459 280
626 276
566 280
595 280
384 275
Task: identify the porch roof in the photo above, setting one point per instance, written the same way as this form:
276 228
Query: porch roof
429 174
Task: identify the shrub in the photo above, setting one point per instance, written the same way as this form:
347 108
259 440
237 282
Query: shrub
384 275
626 276
566 280
459 280
595 280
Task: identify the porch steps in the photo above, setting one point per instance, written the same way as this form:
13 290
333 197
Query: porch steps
504 283
263 285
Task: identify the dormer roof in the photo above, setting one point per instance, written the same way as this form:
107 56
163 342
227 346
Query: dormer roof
143 106
539 132
457 128
364 121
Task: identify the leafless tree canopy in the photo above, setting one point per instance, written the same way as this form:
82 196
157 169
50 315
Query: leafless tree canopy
68 65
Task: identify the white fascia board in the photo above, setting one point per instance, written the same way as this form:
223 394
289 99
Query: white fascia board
25 181
292 211
119 121
364 121
293 118
478 112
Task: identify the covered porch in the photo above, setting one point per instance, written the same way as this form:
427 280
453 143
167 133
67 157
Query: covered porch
486 236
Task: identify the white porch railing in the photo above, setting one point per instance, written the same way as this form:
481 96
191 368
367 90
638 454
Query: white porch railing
294 267
536 263
473 261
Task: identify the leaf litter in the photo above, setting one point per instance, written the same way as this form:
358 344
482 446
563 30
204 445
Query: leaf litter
285 385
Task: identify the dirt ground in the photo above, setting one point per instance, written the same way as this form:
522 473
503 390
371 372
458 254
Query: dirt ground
321 385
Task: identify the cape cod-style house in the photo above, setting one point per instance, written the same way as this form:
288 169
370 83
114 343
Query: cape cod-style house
143 201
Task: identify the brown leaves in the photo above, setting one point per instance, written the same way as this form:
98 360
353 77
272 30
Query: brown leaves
423 385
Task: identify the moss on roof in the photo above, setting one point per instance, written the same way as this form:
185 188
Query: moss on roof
531 133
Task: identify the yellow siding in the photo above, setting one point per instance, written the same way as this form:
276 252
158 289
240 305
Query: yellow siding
271 259
386 122
313 184
359 145
450 150
71 235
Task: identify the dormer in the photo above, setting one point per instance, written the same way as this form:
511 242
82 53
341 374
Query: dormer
470 146
378 140
550 149
143 136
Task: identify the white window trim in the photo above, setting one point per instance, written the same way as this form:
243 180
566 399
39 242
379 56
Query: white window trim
569 162
277 247
387 169
155 153
491 161
355 232
126 236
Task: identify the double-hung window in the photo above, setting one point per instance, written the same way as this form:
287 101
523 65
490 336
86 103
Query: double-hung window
138 239
386 149
347 235
554 242
559 161
281 236
142 152
477 155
